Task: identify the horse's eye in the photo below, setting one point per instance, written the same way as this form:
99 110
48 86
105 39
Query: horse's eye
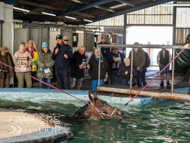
101 105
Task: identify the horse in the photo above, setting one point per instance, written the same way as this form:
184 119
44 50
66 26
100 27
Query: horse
90 113
86 112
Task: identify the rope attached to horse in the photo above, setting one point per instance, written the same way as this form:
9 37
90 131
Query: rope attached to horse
155 77
103 114
53 87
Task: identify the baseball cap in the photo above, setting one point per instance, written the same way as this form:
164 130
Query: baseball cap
59 37
44 44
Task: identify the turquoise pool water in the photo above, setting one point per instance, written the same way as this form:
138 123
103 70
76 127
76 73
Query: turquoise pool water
159 122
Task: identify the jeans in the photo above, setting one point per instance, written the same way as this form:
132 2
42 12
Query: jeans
139 79
143 77
122 81
47 80
95 84
63 77
113 77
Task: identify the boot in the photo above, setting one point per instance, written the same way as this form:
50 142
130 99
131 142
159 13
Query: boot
168 84
162 84
144 84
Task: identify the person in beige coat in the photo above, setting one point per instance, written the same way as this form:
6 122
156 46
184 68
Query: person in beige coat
23 60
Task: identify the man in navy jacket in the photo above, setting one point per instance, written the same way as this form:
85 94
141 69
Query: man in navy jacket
62 54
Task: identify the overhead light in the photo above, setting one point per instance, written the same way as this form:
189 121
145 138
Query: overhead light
77 1
21 9
87 20
175 5
78 31
70 17
118 6
50 14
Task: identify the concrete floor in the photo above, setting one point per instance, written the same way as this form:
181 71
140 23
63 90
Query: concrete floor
179 81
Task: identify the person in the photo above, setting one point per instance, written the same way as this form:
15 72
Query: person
144 69
108 56
93 68
123 73
187 44
163 58
138 62
5 72
23 60
45 65
78 63
66 41
31 48
117 60
62 54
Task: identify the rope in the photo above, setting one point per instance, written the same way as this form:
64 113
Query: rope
53 87
155 77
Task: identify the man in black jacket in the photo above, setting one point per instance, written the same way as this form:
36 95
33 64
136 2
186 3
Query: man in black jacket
108 55
62 54
78 63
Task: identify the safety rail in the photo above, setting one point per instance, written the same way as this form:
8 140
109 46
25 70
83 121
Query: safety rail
173 47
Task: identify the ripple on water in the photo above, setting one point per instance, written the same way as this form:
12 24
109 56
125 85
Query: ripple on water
160 122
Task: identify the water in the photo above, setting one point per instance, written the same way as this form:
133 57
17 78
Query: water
156 123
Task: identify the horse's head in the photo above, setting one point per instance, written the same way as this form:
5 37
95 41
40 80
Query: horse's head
110 112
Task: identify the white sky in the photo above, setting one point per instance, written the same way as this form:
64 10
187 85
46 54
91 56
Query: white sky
155 34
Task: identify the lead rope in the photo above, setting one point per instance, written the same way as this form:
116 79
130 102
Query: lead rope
154 77
101 113
53 87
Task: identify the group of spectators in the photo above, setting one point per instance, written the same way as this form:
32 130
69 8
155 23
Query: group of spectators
69 67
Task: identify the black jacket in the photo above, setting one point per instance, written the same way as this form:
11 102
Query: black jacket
94 64
60 60
122 69
107 54
147 62
75 62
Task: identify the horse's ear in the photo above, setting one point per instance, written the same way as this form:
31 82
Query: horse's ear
95 95
91 98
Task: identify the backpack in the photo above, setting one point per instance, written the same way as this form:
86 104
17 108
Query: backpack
147 64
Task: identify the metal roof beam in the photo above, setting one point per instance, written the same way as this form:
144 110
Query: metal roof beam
11 1
40 5
104 8
78 8
126 2
84 14
128 10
